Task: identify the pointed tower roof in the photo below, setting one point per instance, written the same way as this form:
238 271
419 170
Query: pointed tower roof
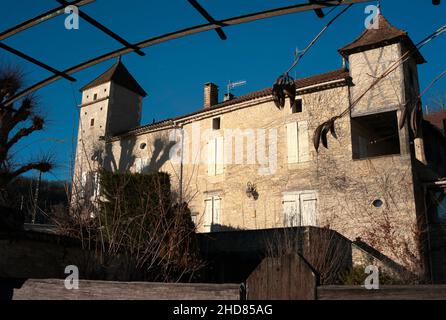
118 74
386 34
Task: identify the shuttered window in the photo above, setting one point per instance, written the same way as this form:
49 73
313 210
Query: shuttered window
216 156
298 142
212 212
300 209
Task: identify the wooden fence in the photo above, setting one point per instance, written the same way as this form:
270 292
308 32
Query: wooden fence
293 278
108 290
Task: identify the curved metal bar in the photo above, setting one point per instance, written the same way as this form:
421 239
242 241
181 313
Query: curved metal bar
40 18
186 32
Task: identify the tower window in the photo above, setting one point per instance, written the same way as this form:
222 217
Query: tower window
375 135
92 123
95 97
216 124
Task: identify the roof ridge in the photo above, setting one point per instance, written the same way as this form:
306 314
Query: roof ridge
337 74
119 74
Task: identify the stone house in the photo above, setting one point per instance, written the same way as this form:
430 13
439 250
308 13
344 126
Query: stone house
244 164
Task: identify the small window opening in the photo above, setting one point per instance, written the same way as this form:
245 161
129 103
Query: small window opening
216 124
297 108
375 135
92 123
95 97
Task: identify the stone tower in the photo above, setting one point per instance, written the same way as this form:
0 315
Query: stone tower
111 104
377 49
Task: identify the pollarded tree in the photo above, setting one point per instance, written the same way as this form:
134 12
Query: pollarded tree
17 121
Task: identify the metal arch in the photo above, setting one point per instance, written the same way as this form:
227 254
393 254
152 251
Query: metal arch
104 29
208 17
40 18
186 32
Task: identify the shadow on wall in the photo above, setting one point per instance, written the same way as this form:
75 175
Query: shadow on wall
159 155
126 157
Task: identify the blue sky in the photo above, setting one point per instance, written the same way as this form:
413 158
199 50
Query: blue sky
173 73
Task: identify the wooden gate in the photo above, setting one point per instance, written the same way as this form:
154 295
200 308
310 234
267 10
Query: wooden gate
287 278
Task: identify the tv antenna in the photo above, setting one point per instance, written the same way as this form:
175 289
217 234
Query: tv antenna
236 84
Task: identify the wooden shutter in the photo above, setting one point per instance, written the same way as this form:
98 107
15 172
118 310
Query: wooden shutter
219 155
303 142
211 157
138 165
293 156
308 203
291 214
217 211
207 221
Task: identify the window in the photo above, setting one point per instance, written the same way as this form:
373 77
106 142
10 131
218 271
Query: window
298 142
299 209
90 185
215 156
298 107
375 135
216 123
141 165
194 219
212 212
95 97
436 206
92 123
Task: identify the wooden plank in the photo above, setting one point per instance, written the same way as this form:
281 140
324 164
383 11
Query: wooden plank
424 292
108 290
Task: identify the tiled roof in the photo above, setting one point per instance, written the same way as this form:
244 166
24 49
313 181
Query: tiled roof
118 74
437 119
321 79
384 35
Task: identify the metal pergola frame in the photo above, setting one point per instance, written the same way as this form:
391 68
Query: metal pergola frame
313 5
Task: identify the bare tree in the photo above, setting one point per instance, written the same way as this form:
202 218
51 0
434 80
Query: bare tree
17 122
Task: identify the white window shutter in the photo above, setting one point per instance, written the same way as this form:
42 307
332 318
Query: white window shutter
138 165
292 141
207 221
308 208
291 211
303 142
217 211
219 157
211 157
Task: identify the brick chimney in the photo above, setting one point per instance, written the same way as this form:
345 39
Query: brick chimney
210 95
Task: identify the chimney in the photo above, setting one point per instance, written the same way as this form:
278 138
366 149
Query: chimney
228 97
210 95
